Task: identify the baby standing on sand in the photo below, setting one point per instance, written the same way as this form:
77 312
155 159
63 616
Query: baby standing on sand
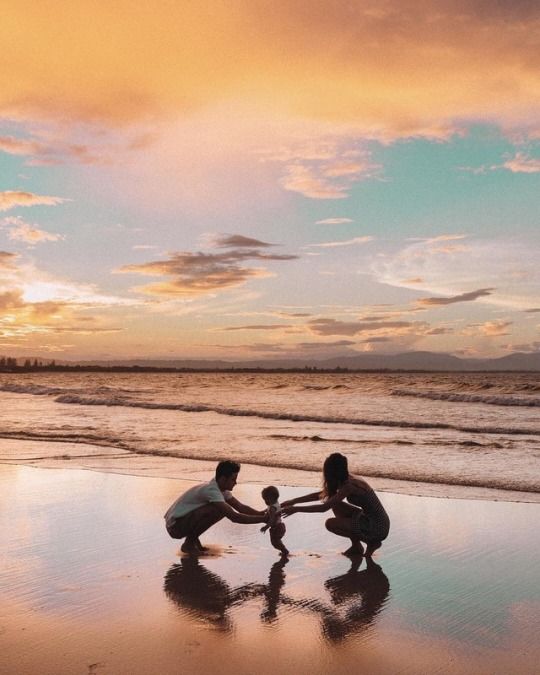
274 522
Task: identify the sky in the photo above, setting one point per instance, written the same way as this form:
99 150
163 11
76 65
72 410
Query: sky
247 179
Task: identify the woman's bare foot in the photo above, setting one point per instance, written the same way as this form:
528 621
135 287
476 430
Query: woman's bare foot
372 547
190 546
199 546
355 549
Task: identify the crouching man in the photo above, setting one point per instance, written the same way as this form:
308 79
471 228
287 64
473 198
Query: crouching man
204 505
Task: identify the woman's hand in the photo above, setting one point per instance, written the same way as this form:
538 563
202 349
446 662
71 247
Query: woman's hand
287 503
288 511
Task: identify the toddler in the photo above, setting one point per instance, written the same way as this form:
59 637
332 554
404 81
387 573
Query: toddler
274 523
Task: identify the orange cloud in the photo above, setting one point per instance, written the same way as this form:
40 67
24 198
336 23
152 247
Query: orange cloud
397 68
203 273
13 198
27 233
521 163
334 327
304 180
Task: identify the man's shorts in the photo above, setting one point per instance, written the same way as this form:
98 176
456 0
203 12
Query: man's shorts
181 527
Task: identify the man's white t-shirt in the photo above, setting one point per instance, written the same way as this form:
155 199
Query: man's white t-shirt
197 496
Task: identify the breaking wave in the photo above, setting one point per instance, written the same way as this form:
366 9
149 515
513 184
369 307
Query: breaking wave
74 399
469 398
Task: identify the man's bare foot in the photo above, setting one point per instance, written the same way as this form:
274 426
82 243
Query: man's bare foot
372 547
355 549
199 546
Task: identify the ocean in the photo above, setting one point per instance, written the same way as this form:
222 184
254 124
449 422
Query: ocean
465 435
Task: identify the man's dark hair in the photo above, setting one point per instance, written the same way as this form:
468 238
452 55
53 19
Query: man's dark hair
227 468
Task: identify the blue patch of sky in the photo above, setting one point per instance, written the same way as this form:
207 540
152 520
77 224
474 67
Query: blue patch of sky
426 189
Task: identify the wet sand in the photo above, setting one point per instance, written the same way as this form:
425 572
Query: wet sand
91 583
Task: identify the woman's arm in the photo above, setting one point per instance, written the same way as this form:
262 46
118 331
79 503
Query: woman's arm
320 508
311 497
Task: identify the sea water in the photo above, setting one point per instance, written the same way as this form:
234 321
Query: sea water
432 432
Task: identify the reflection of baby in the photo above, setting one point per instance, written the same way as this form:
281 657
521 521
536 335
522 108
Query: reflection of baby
274 523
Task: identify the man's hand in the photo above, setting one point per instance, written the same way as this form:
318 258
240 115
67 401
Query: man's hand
288 511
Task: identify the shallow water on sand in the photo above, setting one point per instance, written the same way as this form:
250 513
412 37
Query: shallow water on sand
92 584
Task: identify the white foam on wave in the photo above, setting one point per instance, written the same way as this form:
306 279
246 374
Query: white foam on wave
292 417
468 398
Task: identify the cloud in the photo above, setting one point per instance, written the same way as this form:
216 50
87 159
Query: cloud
507 264
495 328
525 347
397 68
237 241
13 198
489 329
322 169
298 349
340 169
303 179
19 146
521 163
294 315
30 234
348 242
276 326
7 260
335 327
11 300
463 297
195 274
333 221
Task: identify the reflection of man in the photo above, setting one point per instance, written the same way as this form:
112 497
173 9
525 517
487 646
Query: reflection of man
204 594
204 505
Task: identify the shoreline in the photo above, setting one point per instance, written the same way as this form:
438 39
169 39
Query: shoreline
106 459
94 584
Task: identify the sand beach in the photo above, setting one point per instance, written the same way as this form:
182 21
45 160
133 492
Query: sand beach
91 583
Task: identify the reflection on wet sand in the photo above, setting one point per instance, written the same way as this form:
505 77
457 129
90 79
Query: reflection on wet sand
204 594
356 598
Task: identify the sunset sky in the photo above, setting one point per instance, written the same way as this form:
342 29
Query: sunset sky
248 179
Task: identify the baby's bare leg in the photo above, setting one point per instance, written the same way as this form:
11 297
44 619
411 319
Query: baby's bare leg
276 535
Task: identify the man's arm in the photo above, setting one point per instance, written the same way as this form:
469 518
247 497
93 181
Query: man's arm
244 508
236 517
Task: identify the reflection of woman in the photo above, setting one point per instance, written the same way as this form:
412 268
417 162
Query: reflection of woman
364 595
358 513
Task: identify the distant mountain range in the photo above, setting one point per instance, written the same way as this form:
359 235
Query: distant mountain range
369 361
